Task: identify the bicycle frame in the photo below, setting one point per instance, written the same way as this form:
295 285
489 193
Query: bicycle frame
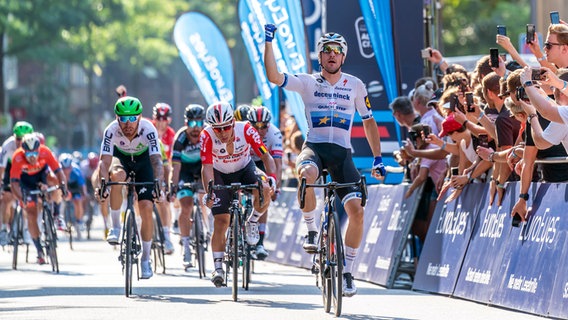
49 232
199 240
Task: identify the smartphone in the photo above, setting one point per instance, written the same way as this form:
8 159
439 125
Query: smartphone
537 74
426 129
521 94
469 101
494 57
426 53
454 103
516 220
530 33
554 17
483 140
501 30
455 171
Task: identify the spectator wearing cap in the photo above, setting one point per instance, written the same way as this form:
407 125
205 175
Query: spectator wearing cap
429 116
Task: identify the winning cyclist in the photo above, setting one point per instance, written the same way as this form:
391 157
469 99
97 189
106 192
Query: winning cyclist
186 161
331 98
161 118
133 141
225 155
77 188
271 136
30 167
8 148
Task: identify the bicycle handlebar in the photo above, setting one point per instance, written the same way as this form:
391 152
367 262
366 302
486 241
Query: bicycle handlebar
39 191
105 184
332 186
235 187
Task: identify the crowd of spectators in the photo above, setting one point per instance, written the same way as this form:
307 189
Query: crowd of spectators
487 125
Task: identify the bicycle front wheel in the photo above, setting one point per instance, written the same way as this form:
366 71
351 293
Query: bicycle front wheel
17 235
246 266
129 252
236 239
200 241
51 240
158 243
335 257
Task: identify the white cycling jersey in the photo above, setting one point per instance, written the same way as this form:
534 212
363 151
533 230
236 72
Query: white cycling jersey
213 151
273 142
8 148
145 139
330 108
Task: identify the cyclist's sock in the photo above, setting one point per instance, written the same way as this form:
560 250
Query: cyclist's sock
255 216
309 219
218 260
261 232
56 208
115 218
146 249
185 242
166 233
350 255
37 244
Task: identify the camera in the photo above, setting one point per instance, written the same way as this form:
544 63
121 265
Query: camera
469 101
494 57
483 140
537 74
521 94
501 30
455 171
516 220
554 17
530 33
416 132
426 53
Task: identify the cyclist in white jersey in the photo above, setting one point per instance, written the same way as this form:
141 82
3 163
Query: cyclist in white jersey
8 148
271 136
134 142
331 98
225 157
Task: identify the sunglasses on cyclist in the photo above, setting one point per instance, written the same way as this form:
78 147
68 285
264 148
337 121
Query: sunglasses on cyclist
334 49
260 125
125 119
548 45
195 123
225 128
30 154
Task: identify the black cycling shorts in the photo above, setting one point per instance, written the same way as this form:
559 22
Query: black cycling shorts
143 170
336 159
223 197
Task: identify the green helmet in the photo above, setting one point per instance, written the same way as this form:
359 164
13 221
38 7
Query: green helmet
128 106
21 128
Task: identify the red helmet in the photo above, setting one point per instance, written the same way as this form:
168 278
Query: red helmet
41 137
93 160
162 110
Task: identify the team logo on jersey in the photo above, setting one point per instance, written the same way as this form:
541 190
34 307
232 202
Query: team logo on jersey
222 150
254 134
344 82
367 102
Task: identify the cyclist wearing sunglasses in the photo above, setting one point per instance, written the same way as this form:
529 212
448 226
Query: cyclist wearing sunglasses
331 99
259 118
161 118
30 168
225 155
133 141
8 148
186 161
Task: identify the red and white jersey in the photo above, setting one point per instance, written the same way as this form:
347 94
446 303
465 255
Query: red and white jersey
273 142
213 151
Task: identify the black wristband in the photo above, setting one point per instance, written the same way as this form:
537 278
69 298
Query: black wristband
524 196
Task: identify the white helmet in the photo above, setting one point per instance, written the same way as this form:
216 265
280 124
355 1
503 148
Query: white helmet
219 114
332 37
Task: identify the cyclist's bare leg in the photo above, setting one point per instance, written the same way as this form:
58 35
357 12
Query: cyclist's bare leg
6 207
354 233
116 190
165 215
147 226
78 203
309 172
220 225
185 221
266 202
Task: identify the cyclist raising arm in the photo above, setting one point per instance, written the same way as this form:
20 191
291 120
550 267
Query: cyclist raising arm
225 156
133 141
331 99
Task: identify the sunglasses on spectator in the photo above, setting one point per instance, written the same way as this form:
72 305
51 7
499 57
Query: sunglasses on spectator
195 123
548 45
125 119
260 125
224 128
30 154
334 49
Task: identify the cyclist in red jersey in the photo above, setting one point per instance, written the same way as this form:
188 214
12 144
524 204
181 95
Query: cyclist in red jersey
161 118
30 168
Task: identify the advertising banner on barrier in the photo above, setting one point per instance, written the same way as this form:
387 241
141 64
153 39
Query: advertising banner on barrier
206 55
446 242
388 218
479 274
532 253
559 301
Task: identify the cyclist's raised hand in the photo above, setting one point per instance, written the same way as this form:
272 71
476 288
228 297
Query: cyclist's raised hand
269 31
378 170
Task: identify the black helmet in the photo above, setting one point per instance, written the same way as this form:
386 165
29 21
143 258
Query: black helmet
194 112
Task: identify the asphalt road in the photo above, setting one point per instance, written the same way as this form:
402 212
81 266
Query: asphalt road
90 286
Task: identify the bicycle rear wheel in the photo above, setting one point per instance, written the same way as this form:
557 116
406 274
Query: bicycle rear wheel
247 266
324 272
336 263
235 253
17 235
129 252
200 241
51 240
69 218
